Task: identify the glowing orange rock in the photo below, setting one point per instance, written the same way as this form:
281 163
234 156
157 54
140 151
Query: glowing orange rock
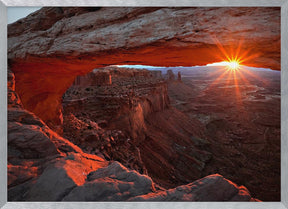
46 55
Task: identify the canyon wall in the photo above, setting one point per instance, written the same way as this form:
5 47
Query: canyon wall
50 47
119 109
42 166
132 121
125 103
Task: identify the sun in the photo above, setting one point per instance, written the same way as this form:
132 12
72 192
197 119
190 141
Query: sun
233 58
233 65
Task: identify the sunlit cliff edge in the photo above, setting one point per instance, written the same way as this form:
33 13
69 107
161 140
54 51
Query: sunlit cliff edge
42 166
46 54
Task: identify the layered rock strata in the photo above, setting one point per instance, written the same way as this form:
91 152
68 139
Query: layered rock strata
50 47
46 55
93 79
132 121
42 166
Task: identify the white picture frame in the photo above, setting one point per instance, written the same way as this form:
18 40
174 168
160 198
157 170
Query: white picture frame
144 205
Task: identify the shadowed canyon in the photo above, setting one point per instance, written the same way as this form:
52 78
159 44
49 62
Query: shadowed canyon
83 128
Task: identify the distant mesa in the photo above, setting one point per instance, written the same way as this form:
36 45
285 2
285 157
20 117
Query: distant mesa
48 59
103 76
94 78
156 74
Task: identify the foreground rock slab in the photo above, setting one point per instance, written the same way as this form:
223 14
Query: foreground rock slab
113 183
210 188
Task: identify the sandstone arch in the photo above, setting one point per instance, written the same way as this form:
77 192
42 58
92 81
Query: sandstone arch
50 47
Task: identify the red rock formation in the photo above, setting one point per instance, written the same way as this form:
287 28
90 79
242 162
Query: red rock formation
170 75
93 79
121 109
179 77
13 98
153 134
42 166
156 74
219 189
53 45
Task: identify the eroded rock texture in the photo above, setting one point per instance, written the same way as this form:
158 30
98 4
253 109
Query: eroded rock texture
210 188
41 164
131 121
50 47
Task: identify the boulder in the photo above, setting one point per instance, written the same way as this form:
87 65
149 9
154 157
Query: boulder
112 183
210 188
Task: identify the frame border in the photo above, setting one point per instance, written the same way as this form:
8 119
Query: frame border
144 205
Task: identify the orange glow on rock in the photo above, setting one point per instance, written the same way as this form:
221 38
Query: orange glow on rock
79 166
41 81
233 58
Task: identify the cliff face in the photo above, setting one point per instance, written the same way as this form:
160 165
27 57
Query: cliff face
114 113
42 166
93 79
61 43
50 48
132 121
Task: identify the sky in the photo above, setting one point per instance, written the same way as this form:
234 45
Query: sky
16 13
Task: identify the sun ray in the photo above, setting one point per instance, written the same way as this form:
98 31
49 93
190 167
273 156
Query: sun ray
235 74
221 48
238 49
217 80
243 78
234 55
249 73
228 80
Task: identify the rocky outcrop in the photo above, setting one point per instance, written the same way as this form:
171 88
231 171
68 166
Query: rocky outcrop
124 72
42 166
46 55
120 184
111 119
50 47
241 145
117 183
156 74
13 98
170 75
179 79
131 121
210 188
93 79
